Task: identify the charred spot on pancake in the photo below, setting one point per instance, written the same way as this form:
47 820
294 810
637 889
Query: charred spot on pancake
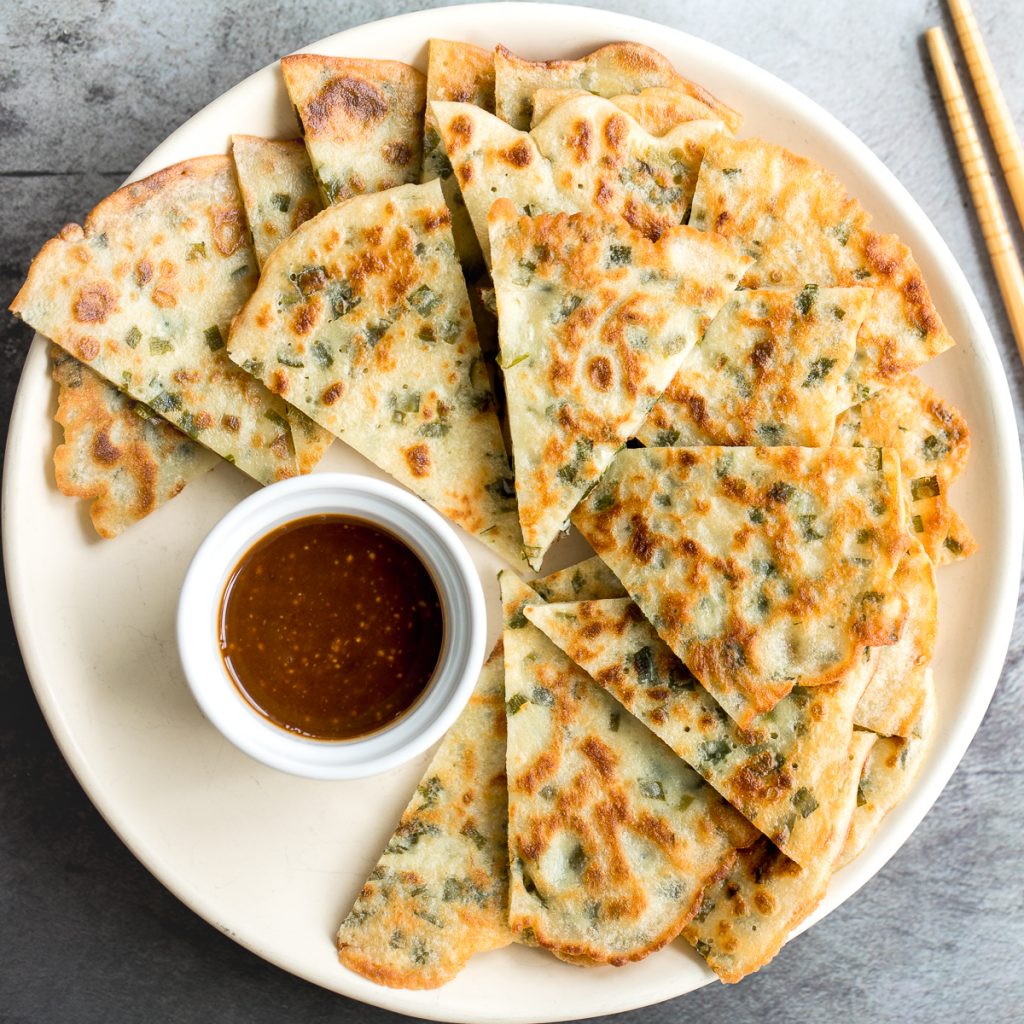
94 303
418 459
359 99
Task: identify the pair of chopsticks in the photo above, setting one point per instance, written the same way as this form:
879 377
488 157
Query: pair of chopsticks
972 158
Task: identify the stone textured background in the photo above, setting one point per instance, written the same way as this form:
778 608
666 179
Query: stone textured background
87 89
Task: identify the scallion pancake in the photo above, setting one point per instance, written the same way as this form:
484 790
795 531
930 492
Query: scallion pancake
746 917
770 772
612 838
144 294
362 121
610 71
767 371
761 568
594 319
587 155
116 453
361 320
797 222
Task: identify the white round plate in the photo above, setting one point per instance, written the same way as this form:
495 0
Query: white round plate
276 861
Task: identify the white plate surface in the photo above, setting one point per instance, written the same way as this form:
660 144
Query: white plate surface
275 861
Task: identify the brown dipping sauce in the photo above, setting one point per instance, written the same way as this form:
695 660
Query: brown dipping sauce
330 627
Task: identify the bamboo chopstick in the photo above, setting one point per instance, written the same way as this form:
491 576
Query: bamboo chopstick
993 103
979 180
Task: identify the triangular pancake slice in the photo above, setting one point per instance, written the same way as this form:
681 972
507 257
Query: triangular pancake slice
362 321
933 442
611 836
797 222
280 193
362 121
278 188
768 371
589 580
144 295
745 918
594 320
587 155
439 892
117 453
610 71
457 73
761 568
770 773
657 110
891 705
888 773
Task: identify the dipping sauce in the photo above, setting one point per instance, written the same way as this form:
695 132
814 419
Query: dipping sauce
331 627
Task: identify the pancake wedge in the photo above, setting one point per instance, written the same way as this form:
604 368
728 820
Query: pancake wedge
144 294
439 892
590 580
594 320
891 705
362 321
587 155
610 71
362 121
797 222
657 110
457 73
887 775
280 193
278 188
767 371
770 773
116 453
761 568
611 836
745 918
933 442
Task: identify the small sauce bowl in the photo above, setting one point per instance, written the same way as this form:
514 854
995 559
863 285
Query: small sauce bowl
427 535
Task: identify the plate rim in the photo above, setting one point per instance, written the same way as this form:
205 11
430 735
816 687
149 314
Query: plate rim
940 762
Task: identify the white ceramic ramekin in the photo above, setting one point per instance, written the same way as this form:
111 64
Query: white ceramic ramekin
437 546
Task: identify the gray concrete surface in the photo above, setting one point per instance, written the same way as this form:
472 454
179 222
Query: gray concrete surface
87 89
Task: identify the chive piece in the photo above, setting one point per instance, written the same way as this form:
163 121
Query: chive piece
803 800
566 310
321 355
918 523
860 275
126 379
819 370
954 545
166 401
409 402
643 665
282 201
756 515
240 271
652 789
873 458
515 362
133 337
515 702
424 300
714 751
842 233
924 487
474 834
253 366
214 339
809 528
435 428
805 300
620 255
604 501
770 433
577 859
341 297
543 696
665 438
781 492
287 356
189 424
517 620
276 418
196 251
934 447
730 171
374 332
613 721
160 346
